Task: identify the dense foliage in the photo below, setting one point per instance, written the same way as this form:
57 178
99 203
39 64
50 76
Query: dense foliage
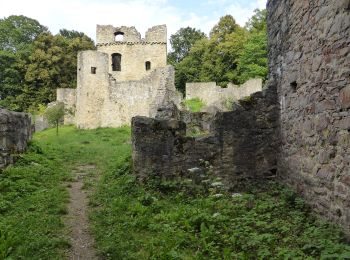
33 62
230 53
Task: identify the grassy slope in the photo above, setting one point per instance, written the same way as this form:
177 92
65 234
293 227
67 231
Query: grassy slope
157 221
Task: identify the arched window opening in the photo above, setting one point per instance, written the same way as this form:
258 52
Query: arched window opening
119 36
93 70
148 65
116 62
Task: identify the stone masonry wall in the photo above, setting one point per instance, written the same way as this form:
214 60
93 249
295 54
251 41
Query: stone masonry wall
134 50
102 101
15 131
68 97
309 61
211 94
241 146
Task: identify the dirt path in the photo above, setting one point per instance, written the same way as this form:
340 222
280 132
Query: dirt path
77 220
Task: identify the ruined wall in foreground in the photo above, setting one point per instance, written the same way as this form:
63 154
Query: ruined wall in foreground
15 132
309 48
241 146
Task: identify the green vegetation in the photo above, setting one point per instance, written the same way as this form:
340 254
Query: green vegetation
194 104
55 114
32 202
178 220
230 53
34 63
158 220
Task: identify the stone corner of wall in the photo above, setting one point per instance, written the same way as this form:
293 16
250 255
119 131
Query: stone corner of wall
16 130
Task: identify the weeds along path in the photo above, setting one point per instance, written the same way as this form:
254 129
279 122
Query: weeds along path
77 220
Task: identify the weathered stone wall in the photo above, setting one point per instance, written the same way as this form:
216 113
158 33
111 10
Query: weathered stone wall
309 61
40 123
198 121
241 146
211 94
68 97
15 131
102 101
134 50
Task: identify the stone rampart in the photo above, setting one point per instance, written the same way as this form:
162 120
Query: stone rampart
211 94
15 131
309 47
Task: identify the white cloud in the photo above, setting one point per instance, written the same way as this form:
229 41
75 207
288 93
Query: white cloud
83 15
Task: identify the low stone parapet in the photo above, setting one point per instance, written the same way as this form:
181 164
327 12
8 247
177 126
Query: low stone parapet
15 132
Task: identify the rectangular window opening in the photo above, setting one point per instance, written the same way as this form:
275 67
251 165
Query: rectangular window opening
93 70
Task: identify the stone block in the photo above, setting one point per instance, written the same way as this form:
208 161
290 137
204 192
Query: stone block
344 97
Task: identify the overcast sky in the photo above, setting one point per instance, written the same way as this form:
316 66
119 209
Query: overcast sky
83 15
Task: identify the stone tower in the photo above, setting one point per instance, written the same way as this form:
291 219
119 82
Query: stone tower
129 56
127 76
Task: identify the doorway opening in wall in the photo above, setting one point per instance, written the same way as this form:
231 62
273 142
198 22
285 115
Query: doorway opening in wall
119 36
148 65
116 61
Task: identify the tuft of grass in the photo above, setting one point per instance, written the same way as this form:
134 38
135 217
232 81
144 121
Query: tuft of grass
194 104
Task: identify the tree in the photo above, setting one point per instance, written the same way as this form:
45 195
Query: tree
181 43
253 58
55 114
52 65
71 34
213 59
17 32
252 62
31 72
257 23
226 25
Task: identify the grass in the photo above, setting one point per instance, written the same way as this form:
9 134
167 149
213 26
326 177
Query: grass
33 197
159 220
194 104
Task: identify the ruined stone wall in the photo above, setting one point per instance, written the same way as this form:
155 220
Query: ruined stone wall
198 121
134 50
102 101
309 61
241 146
15 131
211 94
68 97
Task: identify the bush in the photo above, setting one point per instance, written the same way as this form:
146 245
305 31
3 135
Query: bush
194 104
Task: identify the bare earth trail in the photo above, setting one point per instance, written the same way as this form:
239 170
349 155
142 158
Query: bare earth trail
77 220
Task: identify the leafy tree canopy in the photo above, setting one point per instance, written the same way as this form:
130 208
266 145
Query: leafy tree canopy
17 31
182 41
33 62
230 54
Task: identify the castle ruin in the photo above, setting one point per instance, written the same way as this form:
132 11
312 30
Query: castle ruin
125 77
